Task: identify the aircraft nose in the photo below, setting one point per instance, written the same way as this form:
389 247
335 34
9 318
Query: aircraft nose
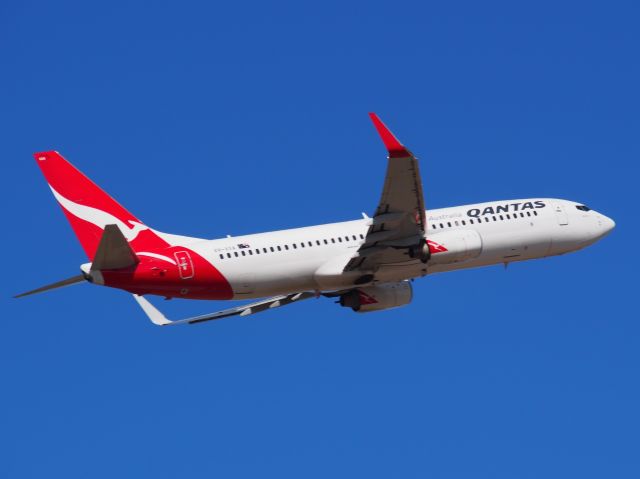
606 224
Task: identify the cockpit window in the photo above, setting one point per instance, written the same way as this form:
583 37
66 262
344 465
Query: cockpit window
583 207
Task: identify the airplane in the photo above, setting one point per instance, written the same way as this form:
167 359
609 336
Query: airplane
366 264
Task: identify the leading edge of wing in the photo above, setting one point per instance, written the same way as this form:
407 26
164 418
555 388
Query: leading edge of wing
160 319
392 144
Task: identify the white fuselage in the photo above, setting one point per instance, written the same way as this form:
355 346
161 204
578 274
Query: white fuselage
312 258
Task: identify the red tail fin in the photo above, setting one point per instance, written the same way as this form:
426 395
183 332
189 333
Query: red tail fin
88 208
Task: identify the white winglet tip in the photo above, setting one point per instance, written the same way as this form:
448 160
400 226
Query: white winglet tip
152 312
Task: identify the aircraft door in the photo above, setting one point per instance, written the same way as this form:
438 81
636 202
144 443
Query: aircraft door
185 265
561 214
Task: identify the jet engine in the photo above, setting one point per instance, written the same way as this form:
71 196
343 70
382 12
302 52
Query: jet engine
421 252
378 297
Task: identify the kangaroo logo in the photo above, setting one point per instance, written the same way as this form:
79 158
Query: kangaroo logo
100 218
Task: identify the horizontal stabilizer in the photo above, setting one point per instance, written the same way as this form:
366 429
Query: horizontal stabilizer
114 251
58 284
160 319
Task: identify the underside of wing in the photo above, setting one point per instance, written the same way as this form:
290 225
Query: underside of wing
397 230
160 319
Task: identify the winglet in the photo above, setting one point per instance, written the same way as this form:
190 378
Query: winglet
394 147
150 310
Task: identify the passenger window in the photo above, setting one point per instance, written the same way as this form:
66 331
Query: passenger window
354 238
339 239
279 248
302 245
501 218
449 224
521 215
243 253
326 242
535 213
441 225
264 250
273 250
286 247
228 255
464 223
250 252
361 236
456 223
310 244
257 250
486 219
528 213
333 240
235 253
471 221
221 256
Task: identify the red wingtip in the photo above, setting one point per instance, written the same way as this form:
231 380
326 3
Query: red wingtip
394 147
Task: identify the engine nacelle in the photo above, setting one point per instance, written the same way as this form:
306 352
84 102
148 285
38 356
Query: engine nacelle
378 297
454 246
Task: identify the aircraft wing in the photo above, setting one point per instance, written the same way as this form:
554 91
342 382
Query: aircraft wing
398 226
160 319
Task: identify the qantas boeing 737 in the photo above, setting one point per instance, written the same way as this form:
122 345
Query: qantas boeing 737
367 264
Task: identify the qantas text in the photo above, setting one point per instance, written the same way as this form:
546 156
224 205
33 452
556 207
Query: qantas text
505 208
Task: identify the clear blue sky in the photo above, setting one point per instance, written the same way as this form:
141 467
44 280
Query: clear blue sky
215 118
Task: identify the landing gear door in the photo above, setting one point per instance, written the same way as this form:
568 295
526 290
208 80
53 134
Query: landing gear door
561 214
